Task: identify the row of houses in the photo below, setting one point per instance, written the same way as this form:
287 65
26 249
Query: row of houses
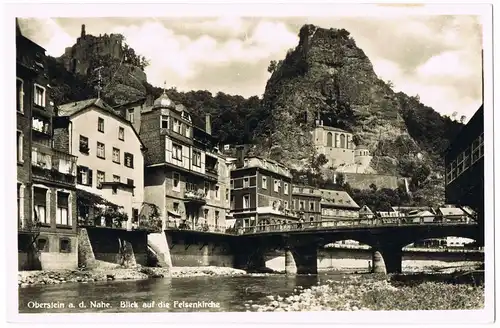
87 163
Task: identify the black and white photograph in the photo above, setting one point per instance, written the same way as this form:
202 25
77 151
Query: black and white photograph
328 159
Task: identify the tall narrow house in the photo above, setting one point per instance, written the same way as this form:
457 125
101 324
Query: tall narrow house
46 172
184 173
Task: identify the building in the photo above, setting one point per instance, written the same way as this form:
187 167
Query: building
46 172
366 213
337 204
110 158
465 166
261 192
339 148
184 174
307 202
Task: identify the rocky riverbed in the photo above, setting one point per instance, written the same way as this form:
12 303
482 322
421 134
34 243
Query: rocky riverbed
371 292
30 278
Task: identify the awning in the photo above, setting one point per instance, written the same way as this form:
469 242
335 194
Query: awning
174 214
90 199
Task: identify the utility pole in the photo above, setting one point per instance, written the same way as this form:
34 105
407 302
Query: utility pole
99 79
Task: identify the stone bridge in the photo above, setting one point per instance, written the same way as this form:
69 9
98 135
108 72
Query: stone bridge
386 238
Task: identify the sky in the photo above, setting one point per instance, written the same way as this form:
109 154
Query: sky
435 57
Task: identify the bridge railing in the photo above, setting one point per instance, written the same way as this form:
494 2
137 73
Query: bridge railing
362 222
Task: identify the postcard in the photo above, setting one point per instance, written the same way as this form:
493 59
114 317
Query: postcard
211 161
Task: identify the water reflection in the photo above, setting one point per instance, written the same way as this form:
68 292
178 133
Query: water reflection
230 292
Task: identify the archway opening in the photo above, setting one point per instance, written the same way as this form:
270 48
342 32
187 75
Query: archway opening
444 254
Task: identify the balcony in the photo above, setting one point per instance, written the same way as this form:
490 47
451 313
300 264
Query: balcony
53 165
195 197
41 127
211 171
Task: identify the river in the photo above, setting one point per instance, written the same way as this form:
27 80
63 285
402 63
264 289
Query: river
230 292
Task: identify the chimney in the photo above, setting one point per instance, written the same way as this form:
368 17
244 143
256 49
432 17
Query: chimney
83 31
208 124
240 155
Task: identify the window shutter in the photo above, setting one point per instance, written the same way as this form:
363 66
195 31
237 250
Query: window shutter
90 175
78 175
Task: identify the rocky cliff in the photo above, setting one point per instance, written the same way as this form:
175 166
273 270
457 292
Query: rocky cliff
329 77
122 76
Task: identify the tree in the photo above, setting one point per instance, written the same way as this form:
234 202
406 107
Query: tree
340 178
373 187
272 66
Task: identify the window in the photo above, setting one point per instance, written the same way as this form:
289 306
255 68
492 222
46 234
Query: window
246 201
264 182
216 218
311 218
100 179
101 153
246 182
116 155
100 124
188 131
232 202
311 206
39 96
227 195
64 245
20 139
301 206
286 205
232 183
276 185
164 122
42 244
177 152
205 214
329 139
84 176
62 215
130 183
129 160
196 158
40 203
467 158
84 144
177 125
114 190
176 177
176 207
116 178
135 215
130 115
20 95
121 133
207 189
217 192
286 188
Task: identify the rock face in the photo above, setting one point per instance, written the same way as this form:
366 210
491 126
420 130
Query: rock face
120 80
328 77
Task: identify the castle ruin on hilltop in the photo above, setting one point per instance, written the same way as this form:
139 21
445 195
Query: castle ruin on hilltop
76 59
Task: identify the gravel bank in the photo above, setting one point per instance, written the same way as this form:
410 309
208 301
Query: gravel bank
369 292
32 278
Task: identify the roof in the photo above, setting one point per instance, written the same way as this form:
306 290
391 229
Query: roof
305 190
74 108
365 210
337 198
266 164
331 128
451 211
